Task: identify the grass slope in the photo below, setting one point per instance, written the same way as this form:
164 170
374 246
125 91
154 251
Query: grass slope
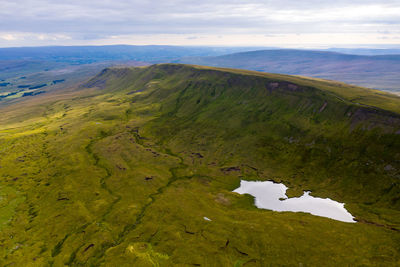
122 171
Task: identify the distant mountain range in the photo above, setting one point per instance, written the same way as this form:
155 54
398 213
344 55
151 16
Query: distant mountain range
380 72
366 51
90 54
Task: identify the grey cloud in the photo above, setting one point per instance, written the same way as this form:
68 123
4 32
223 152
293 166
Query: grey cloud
98 19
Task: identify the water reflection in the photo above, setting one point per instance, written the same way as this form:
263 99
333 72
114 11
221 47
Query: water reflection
272 196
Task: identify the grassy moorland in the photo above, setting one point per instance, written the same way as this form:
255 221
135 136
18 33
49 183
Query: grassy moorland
123 170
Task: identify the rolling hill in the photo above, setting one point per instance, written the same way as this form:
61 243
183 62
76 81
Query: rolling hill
92 54
123 170
380 72
366 51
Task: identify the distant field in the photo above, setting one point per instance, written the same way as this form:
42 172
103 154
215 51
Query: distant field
22 78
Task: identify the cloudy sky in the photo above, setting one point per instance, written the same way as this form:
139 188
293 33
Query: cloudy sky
289 23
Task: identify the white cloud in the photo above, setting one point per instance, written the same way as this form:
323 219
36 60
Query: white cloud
8 37
21 38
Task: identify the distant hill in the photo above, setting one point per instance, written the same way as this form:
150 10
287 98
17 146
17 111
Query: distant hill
380 69
90 54
21 78
366 51
380 72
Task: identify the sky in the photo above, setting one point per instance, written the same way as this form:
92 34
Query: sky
285 23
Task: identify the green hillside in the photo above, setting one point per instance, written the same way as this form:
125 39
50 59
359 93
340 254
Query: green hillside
122 171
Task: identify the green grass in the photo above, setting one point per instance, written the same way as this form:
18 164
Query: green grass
122 174
9 201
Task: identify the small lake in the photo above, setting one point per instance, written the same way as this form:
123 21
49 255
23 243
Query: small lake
272 196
